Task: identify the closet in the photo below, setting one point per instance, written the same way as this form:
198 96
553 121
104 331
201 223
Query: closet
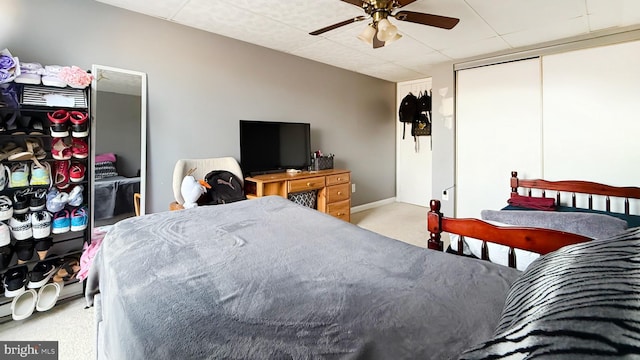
565 115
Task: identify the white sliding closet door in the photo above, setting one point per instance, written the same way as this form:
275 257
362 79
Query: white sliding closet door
592 115
498 129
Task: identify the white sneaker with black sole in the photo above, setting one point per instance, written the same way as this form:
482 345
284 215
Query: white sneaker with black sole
41 224
20 226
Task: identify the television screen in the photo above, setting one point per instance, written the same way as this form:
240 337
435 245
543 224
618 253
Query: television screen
267 147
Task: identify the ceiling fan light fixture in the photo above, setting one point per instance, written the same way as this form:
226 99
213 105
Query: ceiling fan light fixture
386 30
367 34
396 37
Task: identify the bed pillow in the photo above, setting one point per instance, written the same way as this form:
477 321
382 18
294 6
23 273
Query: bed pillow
595 226
498 254
574 302
105 169
532 202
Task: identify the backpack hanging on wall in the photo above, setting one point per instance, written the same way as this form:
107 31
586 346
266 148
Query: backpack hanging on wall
225 188
408 111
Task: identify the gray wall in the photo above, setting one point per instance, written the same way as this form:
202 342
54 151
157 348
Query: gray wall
201 84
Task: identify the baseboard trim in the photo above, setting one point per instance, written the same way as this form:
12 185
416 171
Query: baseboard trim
372 205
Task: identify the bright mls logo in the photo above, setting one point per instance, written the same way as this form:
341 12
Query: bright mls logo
31 350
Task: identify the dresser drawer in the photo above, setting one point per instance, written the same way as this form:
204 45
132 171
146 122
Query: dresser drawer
337 193
341 210
338 179
306 184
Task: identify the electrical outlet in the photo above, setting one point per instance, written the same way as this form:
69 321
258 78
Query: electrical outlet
353 188
445 195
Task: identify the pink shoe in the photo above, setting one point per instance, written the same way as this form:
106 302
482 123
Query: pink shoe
62 174
76 172
80 149
60 150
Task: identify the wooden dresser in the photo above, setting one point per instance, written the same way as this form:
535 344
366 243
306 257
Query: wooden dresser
333 188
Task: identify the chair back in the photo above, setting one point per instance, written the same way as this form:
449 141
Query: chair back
202 167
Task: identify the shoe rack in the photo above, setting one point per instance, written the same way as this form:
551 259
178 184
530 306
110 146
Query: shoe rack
40 110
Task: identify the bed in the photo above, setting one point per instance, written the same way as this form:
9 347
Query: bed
269 279
114 196
570 216
113 191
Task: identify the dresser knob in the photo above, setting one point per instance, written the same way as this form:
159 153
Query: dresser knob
339 192
339 178
309 184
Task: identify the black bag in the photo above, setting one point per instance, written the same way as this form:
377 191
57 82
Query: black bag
408 110
225 188
422 124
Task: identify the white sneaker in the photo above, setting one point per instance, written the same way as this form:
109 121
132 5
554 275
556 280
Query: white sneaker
23 305
5 236
75 196
41 224
21 226
6 208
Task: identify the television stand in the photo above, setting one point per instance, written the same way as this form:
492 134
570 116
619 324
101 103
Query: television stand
266 172
333 186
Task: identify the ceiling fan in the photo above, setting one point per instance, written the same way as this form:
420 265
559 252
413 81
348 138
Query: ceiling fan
381 30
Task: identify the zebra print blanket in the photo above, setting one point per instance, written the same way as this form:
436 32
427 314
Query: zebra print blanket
580 302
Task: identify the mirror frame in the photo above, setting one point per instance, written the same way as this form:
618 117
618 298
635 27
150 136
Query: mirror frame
143 131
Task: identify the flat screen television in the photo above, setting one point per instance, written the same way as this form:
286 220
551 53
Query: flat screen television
269 147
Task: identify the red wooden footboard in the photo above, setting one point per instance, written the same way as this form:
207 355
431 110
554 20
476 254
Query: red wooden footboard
537 240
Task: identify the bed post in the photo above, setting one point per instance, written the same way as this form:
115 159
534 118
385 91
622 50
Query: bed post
434 226
514 182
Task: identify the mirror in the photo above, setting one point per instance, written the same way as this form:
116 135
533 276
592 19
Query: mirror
118 138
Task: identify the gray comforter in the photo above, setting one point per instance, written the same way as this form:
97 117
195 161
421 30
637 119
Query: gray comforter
269 279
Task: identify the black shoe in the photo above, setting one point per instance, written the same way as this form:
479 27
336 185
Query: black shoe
21 199
40 274
35 127
15 280
38 199
6 253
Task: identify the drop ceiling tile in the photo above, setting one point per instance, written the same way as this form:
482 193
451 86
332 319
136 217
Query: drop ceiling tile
549 32
158 8
302 14
241 24
422 63
469 29
604 14
391 72
509 16
332 53
478 47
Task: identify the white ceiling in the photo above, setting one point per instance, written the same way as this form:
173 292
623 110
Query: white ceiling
486 26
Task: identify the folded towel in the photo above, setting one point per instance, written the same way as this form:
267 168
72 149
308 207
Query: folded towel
530 202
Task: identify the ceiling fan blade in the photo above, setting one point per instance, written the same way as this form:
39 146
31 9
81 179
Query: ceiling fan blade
403 2
443 22
335 26
358 3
